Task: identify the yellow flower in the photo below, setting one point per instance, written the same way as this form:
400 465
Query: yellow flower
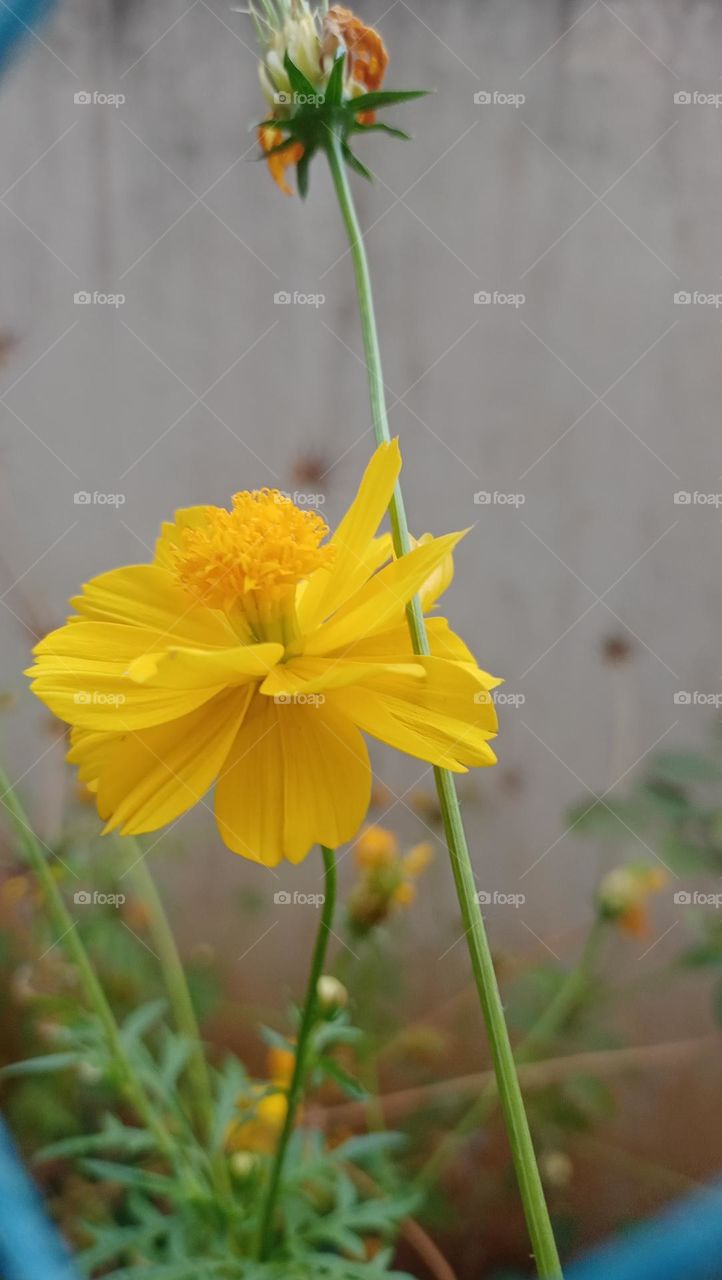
254 654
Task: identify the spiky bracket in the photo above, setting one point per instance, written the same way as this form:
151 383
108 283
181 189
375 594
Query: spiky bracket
317 120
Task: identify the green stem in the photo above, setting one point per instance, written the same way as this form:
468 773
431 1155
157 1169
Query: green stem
308 1020
94 994
546 1027
512 1103
180 999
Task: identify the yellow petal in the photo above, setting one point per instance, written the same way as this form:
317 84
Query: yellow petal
380 604
297 775
446 719
95 642
443 642
146 595
329 588
104 700
305 676
145 780
204 668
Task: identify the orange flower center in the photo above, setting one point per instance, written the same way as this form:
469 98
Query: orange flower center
251 559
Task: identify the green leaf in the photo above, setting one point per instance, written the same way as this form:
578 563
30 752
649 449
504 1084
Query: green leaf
350 1086
385 98
233 1084
130 1176
366 1146
123 1139
38 1066
141 1020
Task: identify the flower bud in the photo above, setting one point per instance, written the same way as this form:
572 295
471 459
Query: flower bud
332 995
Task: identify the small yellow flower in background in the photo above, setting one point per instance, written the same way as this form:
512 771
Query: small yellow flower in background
375 847
262 1113
254 653
418 858
387 879
623 896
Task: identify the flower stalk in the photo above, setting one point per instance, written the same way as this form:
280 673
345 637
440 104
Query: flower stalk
309 1016
94 994
512 1103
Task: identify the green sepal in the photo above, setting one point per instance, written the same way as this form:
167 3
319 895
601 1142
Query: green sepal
354 163
385 98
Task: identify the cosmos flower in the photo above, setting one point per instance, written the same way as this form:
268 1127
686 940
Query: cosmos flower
255 652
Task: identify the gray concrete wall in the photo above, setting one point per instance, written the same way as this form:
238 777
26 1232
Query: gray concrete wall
596 399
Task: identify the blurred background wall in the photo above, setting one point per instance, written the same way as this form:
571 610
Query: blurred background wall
526 247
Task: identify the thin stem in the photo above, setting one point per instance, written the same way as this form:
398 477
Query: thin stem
512 1103
308 1020
180 999
547 1025
94 994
